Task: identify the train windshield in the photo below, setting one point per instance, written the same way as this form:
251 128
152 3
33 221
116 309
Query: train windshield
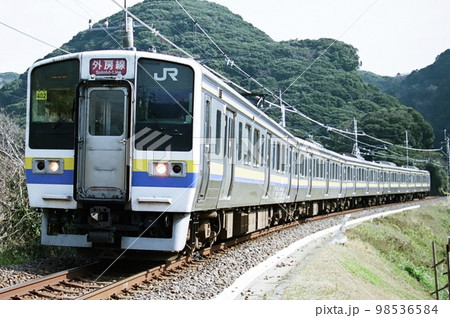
164 106
52 105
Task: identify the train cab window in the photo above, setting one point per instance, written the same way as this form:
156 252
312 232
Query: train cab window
164 104
52 105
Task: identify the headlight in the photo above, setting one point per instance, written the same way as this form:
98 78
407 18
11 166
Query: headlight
53 166
161 169
48 166
167 169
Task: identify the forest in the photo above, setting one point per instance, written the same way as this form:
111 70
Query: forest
426 90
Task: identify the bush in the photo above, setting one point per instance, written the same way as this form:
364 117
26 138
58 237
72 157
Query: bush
19 224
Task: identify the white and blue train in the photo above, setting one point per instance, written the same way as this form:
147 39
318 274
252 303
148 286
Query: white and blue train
144 151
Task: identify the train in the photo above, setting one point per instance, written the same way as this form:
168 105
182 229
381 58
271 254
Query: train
141 151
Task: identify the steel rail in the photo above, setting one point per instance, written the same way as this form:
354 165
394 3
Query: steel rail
19 290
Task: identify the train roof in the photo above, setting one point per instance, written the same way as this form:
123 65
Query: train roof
264 119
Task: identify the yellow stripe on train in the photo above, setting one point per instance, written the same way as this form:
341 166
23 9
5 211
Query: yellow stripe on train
69 163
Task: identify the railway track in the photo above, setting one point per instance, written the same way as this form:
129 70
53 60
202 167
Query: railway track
62 285
71 284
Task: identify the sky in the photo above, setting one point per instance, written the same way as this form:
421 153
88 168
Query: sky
392 36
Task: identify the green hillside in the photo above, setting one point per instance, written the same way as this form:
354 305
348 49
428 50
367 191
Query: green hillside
7 77
328 86
426 90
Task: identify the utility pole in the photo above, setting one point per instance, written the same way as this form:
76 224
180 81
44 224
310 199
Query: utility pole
355 150
407 152
128 37
448 159
283 111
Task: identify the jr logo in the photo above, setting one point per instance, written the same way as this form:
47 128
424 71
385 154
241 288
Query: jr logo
172 72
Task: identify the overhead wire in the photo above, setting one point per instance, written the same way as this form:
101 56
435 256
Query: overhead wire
232 63
153 30
293 109
321 54
33 37
228 60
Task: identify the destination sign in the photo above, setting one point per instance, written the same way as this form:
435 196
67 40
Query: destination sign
107 67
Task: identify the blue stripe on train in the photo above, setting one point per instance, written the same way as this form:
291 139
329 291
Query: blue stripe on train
142 179
65 178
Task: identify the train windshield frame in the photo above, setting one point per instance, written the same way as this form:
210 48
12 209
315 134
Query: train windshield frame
52 104
164 106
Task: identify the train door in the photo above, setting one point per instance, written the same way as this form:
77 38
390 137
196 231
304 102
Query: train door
206 149
289 170
267 164
228 155
102 167
368 176
309 170
377 176
328 174
341 176
354 178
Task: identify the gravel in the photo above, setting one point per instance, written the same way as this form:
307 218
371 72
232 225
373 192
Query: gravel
213 275
206 278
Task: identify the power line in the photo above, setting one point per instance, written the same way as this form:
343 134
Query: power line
153 30
228 60
33 37
321 54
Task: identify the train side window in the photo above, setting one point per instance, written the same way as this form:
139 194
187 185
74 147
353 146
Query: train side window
218 130
321 168
296 163
283 158
302 165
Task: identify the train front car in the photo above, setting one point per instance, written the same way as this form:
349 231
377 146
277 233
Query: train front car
109 149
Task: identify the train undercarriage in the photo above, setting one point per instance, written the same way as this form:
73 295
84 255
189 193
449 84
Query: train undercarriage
105 225
213 226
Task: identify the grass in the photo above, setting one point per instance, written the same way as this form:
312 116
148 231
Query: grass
359 270
388 258
405 240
